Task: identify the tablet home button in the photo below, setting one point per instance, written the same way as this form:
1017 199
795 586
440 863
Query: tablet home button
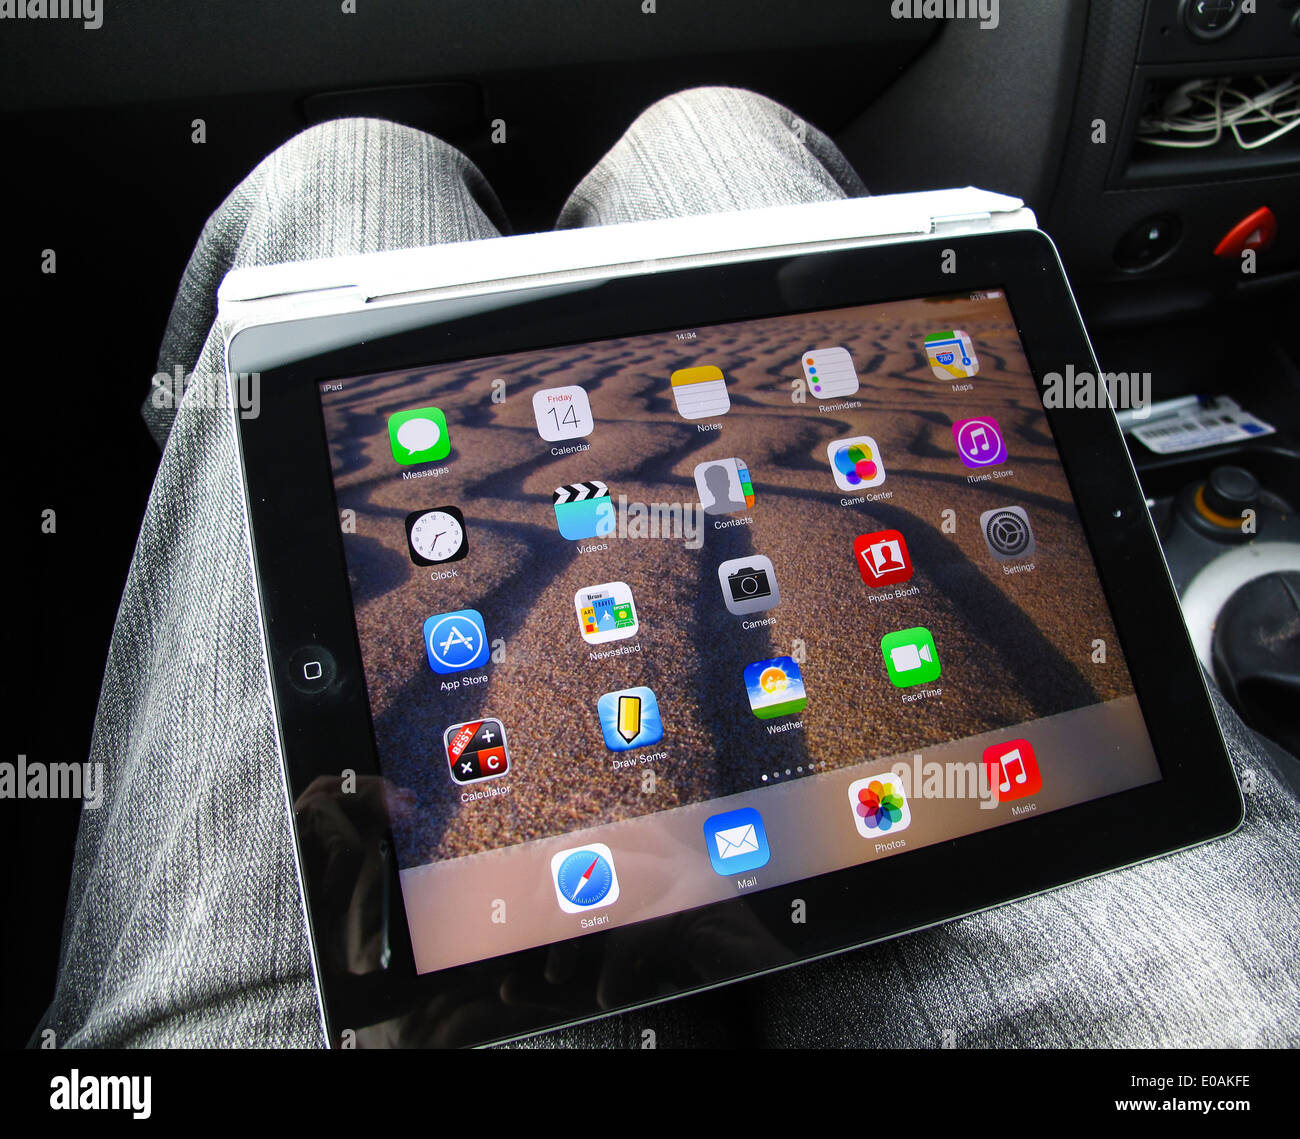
312 669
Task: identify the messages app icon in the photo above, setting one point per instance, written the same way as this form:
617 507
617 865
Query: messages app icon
736 841
419 436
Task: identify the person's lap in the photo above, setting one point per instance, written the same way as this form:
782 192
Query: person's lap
184 924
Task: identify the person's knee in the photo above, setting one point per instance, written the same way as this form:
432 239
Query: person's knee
716 107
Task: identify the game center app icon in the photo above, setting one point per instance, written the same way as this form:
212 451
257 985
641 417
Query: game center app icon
436 536
882 558
879 805
724 486
830 373
563 413
476 750
736 841
584 510
775 688
630 719
979 442
418 436
584 877
456 641
1012 770
856 463
951 356
606 612
748 584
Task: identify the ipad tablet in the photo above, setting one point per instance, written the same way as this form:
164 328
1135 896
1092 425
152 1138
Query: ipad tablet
637 630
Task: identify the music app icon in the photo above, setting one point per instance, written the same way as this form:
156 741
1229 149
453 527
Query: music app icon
979 442
1012 770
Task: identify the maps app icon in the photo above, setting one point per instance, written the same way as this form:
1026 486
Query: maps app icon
951 355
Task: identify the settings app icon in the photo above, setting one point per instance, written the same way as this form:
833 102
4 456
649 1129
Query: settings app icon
1007 533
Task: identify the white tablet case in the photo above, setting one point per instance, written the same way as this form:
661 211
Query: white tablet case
268 314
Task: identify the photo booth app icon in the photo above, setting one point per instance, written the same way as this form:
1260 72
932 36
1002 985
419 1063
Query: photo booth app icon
951 355
584 510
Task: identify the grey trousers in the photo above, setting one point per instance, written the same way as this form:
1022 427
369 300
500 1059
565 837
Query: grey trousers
183 922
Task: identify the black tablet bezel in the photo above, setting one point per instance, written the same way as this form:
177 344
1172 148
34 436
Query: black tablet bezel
324 729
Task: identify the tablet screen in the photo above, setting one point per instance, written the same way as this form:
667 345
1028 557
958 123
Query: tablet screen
652 622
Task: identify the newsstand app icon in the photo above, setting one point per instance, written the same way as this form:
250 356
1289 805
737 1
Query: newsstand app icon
476 750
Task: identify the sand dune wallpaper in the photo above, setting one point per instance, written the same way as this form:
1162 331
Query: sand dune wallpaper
1013 637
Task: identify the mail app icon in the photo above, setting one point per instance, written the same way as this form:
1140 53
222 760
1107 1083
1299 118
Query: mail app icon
737 842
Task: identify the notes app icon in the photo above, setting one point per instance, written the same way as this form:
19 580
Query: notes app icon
979 442
951 356
1012 770
700 393
830 373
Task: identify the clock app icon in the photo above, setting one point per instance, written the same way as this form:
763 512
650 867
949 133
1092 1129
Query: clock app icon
436 536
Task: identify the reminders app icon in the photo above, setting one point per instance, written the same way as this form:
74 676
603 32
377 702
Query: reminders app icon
830 373
736 841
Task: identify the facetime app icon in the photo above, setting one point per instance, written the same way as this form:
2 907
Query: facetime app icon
700 393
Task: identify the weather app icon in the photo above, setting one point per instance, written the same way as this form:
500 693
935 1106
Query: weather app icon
775 688
456 641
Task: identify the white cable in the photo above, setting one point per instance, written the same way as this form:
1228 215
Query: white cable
1277 106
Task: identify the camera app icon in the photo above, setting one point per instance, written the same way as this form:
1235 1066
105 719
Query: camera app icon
749 584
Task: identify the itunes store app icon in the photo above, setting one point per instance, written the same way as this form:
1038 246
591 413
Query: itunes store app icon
979 442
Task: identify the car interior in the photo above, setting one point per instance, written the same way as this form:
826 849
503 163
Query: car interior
1152 138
